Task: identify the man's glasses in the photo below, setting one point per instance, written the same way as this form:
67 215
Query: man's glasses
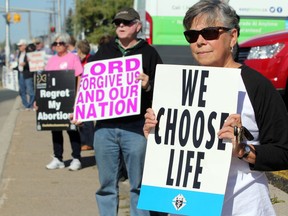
58 43
209 33
124 22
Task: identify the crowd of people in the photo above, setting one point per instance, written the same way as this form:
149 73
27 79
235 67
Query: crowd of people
212 30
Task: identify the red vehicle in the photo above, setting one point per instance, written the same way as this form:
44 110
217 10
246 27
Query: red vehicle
268 54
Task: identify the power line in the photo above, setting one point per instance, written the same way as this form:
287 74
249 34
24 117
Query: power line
12 9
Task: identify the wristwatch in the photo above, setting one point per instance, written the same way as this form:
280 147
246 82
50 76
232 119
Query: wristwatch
247 150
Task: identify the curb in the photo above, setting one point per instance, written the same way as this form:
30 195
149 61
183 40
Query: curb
7 132
277 181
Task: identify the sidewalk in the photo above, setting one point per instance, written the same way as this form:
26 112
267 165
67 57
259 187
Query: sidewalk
28 189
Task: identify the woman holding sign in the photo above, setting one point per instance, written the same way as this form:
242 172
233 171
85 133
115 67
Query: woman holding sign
65 60
258 132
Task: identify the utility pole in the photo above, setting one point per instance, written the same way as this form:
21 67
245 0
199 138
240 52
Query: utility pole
29 25
7 45
59 17
64 23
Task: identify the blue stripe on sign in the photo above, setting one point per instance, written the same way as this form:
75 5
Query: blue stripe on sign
163 200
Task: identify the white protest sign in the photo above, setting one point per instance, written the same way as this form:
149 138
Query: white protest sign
10 79
36 60
186 165
109 89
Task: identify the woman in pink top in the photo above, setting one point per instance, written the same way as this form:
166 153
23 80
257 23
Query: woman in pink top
64 60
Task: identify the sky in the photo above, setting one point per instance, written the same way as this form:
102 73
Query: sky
39 20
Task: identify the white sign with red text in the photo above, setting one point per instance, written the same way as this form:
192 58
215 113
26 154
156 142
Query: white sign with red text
37 60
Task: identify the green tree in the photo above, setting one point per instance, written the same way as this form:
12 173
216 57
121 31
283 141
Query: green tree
69 23
94 17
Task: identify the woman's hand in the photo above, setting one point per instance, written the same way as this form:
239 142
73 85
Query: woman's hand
35 106
150 122
74 121
230 130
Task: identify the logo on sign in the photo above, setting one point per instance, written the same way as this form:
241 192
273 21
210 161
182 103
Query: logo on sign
41 80
179 202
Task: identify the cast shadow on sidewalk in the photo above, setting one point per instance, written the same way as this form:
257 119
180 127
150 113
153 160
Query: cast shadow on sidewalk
86 161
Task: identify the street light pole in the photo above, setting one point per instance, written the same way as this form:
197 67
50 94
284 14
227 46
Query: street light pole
7 45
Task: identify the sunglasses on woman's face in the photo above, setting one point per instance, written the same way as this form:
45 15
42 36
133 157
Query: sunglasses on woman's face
58 43
209 33
124 22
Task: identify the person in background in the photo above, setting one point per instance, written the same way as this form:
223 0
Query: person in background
124 135
25 77
31 47
65 60
212 30
104 40
87 128
72 45
40 46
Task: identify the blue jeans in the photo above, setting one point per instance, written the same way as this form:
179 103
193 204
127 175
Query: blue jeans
26 86
110 140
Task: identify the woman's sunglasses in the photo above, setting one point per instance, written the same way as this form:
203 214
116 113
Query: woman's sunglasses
209 33
124 22
58 43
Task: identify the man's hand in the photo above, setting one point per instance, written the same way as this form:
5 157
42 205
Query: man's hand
145 81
